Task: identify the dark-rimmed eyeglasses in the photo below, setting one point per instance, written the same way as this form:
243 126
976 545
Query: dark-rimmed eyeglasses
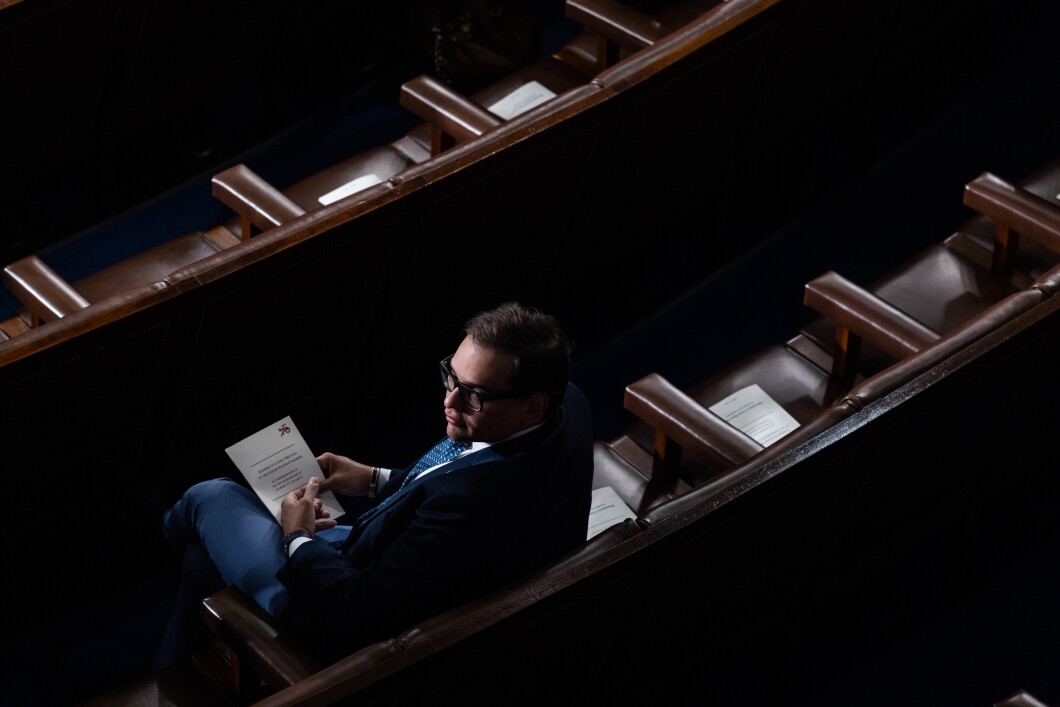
473 399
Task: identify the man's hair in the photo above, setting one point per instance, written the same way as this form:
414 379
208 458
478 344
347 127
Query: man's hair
533 340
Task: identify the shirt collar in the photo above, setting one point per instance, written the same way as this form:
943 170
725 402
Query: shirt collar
476 446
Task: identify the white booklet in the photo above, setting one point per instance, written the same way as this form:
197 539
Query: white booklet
757 415
348 188
530 95
276 461
606 509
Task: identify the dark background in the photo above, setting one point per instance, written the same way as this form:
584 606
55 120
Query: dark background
121 114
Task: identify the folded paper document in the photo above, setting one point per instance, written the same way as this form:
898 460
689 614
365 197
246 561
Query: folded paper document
606 509
757 415
276 461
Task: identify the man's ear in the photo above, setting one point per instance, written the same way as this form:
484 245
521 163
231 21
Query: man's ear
536 406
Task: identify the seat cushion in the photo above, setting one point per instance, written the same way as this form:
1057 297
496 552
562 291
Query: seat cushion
152 265
612 467
939 287
798 385
380 163
555 75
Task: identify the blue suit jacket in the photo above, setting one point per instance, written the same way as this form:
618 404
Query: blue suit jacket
471 526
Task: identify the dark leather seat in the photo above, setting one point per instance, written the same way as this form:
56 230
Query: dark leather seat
616 30
687 439
449 118
612 31
672 421
627 468
816 388
46 296
948 283
987 239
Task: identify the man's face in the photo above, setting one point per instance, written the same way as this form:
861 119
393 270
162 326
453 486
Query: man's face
488 372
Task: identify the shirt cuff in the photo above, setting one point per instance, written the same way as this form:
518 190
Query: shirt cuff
297 543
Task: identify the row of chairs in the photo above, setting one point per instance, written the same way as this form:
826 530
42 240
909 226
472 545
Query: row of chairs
610 31
867 342
679 454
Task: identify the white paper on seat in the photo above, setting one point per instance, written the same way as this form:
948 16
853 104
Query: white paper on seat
276 461
606 509
522 99
757 415
350 188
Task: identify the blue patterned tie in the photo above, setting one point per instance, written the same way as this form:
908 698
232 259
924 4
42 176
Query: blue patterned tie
444 451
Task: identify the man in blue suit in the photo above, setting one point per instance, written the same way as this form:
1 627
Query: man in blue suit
506 491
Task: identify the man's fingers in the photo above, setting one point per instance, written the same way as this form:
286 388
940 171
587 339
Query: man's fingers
311 489
325 524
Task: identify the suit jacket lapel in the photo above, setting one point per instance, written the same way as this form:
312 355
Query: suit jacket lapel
492 453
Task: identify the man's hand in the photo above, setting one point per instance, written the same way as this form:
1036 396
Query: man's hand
344 475
302 510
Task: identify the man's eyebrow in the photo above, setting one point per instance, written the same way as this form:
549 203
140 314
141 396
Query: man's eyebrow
478 387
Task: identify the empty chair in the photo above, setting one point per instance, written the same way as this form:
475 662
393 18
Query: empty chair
448 120
699 444
46 296
943 285
628 469
687 439
257 204
530 86
260 205
613 31
992 243
1013 211
673 420
449 117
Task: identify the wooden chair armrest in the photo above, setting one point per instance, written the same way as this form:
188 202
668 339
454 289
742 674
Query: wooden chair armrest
453 117
1013 208
860 315
617 22
256 639
46 295
258 204
680 420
